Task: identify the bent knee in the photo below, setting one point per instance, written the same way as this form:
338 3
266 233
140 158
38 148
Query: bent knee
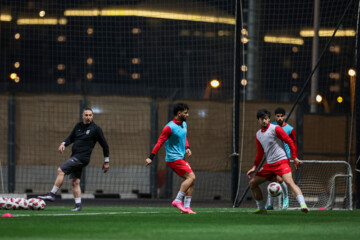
253 184
60 171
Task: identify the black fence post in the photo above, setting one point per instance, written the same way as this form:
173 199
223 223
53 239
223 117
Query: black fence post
11 144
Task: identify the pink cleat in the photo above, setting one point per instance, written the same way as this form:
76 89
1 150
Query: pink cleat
179 205
189 211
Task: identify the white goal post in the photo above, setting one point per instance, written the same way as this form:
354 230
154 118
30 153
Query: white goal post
324 183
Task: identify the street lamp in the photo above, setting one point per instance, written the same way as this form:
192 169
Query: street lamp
352 74
214 83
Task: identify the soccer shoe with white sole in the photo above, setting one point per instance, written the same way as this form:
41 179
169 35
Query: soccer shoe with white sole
269 207
77 208
179 206
260 211
304 209
49 197
189 211
285 204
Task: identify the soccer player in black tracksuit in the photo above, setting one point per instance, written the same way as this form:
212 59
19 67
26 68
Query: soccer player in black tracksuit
84 137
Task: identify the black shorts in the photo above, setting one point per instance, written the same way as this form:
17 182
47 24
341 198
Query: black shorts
73 167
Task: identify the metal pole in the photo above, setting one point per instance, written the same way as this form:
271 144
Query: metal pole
315 56
236 102
357 112
153 140
11 144
169 172
83 104
253 87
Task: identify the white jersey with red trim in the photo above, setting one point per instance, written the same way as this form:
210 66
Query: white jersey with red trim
273 146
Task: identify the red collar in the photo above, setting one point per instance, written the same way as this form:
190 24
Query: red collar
264 129
177 121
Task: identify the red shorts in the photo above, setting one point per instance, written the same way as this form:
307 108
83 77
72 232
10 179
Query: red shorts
279 168
180 166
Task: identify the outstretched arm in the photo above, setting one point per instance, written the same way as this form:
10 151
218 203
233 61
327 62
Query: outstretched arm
165 134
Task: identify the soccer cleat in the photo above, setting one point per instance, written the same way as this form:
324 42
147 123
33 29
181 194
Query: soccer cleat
285 204
189 211
260 211
179 205
304 209
77 208
269 207
49 197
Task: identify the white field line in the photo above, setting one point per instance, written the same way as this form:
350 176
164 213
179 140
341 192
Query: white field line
107 213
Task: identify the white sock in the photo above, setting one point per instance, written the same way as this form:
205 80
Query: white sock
270 200
260 204
300 199
187 201
285 192
78 200
179 196
54 189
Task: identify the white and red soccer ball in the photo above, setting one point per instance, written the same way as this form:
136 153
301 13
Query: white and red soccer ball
21 203
36 204
274 189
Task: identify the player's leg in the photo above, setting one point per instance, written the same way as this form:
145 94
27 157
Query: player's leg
296 191
257 194
75 182
189 192
58 183
285 192
182 169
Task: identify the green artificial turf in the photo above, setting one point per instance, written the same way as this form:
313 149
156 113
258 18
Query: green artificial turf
168 223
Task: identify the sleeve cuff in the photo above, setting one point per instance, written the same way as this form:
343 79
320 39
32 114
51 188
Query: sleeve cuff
63 143
106 159
152 156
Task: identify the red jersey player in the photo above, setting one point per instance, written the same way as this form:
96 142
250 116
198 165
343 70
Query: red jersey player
269 140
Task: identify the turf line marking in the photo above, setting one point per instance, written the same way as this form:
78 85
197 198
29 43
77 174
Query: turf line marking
107 213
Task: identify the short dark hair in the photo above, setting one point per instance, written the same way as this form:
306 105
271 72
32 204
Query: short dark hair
180 107
87 109
262 113
280 110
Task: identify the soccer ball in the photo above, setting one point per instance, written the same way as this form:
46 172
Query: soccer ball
3 202
36 204
11 204
274 189
23 203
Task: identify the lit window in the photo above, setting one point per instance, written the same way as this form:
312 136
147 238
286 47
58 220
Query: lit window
90 31
89 61
89 76
294 75
135 76
61 67
61 38
136 31
135 60
61 81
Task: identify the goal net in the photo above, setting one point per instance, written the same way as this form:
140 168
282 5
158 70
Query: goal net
325 184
